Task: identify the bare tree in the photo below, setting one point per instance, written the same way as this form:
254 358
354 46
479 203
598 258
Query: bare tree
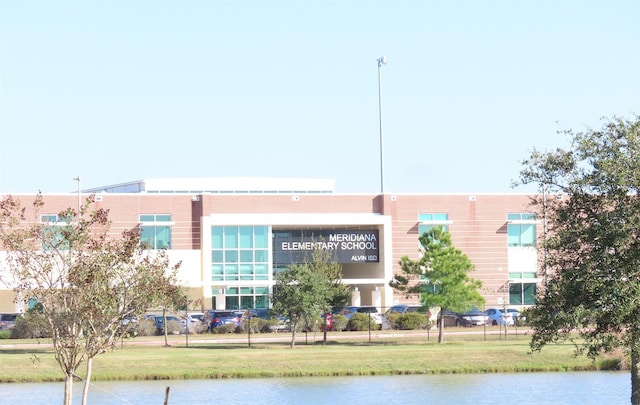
90 282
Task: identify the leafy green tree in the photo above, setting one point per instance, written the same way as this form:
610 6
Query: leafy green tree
439 276
591 267
87 281
306 290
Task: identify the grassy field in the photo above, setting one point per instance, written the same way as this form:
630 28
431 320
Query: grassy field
229 356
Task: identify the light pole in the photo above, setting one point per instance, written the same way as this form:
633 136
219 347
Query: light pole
79 198
381 61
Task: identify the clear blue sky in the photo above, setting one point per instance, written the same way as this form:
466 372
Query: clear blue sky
123 90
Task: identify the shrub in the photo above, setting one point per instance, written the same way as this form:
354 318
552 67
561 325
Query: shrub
340 322
276 325
523 319
146 327
174 327
362 321
5 334
392 319
32 325
412 320
200 328
257 325
312 324
226 328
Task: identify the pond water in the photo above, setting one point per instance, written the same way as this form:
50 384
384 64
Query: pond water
560 388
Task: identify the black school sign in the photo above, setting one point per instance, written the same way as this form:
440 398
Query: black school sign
347 246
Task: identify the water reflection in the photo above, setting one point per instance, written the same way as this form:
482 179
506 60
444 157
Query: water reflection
474 389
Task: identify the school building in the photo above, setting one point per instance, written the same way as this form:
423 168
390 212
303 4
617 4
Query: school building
233 235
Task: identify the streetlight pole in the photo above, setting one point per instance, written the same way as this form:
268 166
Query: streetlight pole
79 198
381 61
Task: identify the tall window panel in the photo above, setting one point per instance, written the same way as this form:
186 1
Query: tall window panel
522 293
521 229
239 253
247 297
155 230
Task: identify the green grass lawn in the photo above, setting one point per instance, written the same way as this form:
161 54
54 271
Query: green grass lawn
209 356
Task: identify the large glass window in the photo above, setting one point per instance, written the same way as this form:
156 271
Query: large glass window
522 293
155 230
239 253
247 297
521 229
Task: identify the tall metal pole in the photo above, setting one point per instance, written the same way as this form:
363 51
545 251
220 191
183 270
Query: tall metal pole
79 198
381 61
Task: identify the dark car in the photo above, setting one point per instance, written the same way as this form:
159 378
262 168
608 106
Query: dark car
174 323
262 313
8 321
404 308
474 317
215 318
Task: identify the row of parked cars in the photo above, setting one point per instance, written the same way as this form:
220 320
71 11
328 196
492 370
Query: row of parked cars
200 321
477 317
474 317
196 322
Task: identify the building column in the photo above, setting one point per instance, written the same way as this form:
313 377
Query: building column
221 303
355 297
376 299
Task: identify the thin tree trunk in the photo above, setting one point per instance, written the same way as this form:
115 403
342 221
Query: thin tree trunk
164 323
87 381
293 338
635 373
68 389
441 327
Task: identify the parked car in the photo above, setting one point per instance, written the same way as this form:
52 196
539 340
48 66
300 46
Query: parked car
253 313
404 308
215 318
8 321
283 325
515 314
348 312
474 317
159 321
129 323
498 316
194 321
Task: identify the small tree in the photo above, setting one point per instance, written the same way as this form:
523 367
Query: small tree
439 276
86 281
591 244
299 292
306 290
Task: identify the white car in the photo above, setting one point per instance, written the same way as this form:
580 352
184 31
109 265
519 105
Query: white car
195 322
372 311
497 316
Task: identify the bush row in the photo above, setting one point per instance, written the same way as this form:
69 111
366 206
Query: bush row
33 325
408 321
